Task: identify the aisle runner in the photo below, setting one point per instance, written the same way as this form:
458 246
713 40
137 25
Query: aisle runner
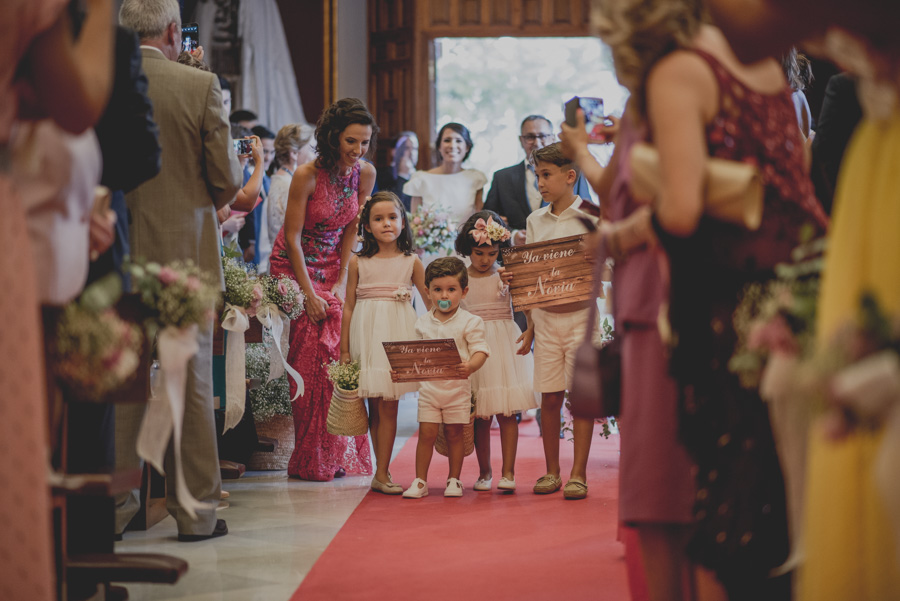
485 545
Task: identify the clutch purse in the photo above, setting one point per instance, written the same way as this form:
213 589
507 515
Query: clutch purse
597 378
733 191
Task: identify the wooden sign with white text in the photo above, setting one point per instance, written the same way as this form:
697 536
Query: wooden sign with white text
548 273
422 360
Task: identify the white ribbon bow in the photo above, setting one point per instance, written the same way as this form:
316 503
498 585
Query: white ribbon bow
164 416
235 321
271 317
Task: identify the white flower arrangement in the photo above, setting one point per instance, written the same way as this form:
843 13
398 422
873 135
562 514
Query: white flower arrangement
402 294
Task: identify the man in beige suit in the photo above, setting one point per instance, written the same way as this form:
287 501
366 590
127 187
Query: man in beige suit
173 216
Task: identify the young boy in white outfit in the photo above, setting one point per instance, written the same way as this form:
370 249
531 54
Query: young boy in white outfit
447 402
558 330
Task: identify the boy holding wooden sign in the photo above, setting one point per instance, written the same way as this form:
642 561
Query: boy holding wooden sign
447 401
558 328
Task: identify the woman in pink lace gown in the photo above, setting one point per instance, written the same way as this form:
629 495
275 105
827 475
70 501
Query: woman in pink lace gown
314 247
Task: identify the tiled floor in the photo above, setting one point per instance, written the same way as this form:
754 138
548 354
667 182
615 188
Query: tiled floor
277 528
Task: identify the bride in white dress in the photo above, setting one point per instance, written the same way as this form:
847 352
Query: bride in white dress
448 187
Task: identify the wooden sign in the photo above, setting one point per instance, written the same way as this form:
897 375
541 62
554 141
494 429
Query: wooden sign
423 360
549 273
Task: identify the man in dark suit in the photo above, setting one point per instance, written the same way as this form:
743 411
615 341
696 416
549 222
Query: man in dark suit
173 216
514 194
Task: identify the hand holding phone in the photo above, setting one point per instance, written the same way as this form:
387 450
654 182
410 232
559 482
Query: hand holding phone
594 120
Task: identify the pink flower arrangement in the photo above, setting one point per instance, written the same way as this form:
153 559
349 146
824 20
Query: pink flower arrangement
167 275
773 336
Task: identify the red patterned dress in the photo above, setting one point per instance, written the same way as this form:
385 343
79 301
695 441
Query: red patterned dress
317 454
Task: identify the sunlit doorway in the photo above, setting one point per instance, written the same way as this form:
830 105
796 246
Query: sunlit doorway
491 84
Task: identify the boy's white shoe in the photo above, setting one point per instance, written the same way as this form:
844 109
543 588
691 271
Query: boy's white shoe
506 485
416 490
483 484
454 488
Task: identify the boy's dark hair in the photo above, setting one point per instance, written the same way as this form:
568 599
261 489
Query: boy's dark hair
369 243
223 83
242 115
465 242
263 132
462 130
334 120
445 266
552 153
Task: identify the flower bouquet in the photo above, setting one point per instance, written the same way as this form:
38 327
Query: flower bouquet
775 324
178 294
778 317
347 412
432 231
180 298
284 292
96 352
243 288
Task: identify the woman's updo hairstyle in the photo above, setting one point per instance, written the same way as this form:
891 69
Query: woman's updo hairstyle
290 137
462 130
334 120
369 243
464 240
639 33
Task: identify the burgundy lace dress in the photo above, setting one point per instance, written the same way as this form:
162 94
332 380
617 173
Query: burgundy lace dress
740 506
317 454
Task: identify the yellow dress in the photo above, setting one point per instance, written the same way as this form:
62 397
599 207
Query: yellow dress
850 552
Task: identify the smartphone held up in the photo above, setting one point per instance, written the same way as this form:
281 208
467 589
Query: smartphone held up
190 37
242 146
595 121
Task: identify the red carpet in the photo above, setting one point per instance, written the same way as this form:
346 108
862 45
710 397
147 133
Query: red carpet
485 545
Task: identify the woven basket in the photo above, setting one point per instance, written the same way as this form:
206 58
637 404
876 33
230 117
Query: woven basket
347 414
281 428
440 444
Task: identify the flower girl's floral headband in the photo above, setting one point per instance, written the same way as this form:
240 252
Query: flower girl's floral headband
489 232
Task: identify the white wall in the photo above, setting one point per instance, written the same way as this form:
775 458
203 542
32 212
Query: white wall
352 49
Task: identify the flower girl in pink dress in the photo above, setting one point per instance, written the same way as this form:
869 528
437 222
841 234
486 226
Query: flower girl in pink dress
377 310
504 387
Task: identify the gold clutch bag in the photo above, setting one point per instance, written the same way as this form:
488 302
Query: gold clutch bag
733 190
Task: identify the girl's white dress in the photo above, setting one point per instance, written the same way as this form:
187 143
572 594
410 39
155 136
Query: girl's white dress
383 313
504 385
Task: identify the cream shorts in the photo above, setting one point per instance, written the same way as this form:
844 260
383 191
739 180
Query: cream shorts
445 402
556 338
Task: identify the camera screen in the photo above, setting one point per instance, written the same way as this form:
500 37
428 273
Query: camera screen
594 119
242 146
189 38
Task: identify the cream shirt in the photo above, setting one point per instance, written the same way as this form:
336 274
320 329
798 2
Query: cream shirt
468 332
542 225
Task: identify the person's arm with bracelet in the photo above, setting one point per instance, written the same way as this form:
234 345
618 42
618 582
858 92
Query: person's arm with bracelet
302 187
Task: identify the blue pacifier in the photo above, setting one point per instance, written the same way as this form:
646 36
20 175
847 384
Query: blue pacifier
444 304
